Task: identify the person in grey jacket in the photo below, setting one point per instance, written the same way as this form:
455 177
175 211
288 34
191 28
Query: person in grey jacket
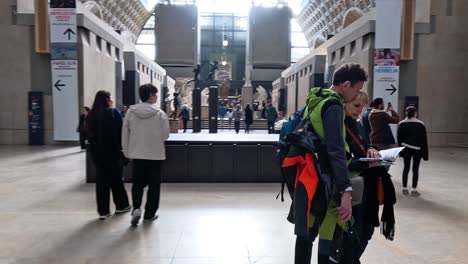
144 131
237 116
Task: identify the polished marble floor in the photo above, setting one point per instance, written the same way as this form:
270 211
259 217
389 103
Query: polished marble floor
47 215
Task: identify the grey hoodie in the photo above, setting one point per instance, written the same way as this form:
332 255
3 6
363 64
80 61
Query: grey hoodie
144 130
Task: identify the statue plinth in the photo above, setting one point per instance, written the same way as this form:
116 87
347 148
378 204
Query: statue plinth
247 94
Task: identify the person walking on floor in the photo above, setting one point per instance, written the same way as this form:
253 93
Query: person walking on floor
411 134
248 118
104 127
271 116
144 131
229 116
185 115
82 128
237 116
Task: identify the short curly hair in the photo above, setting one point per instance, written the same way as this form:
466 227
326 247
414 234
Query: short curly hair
351 72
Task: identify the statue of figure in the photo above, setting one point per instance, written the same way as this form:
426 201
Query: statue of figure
214 68
196 77
205 95
262 94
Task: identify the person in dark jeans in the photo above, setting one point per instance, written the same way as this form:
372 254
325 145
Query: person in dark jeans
144 131
237 116
176 104
248 118
82 128
185 115
271 116
411 134
104 127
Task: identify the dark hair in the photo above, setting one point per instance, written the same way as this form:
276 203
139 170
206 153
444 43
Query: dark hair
377 101
410 111
100 104
351 72
146 90
247 107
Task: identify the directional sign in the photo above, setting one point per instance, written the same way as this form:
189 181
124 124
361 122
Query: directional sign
64 55
62 25
65 98
392 89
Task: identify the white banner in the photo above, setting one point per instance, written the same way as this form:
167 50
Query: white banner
388 23
65 99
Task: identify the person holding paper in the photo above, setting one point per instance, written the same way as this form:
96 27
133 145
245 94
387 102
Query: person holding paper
365 213
412 135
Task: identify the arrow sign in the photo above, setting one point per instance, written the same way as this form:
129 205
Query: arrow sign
57 85
393 89
69 31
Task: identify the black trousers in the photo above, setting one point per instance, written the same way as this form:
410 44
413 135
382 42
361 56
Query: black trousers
247 127
109 178
271 127
350 250
237 126
184 122
83 140
146 173
409 154
303 250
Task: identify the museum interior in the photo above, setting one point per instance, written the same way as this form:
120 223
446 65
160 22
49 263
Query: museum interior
206 105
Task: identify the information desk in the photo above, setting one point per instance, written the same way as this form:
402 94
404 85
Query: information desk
215 158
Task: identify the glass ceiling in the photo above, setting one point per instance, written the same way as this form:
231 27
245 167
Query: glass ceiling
228 6
299 47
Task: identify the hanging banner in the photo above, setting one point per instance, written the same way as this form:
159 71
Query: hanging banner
64 68
387 52
387 75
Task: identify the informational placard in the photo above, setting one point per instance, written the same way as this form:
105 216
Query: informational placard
36 118
387 75
62 24
65 98
64 68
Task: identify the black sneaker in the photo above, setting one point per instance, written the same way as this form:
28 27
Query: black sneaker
123 210
148 219
105 217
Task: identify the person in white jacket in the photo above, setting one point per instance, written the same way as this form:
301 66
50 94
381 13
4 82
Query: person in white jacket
144 130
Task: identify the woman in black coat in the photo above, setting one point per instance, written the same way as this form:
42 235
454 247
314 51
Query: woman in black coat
105 128
248 118
365 214
412 135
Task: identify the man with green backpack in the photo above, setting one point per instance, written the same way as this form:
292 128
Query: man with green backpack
325 114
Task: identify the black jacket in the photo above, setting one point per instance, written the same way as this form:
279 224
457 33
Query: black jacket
248 116
105 136
356 128
412 134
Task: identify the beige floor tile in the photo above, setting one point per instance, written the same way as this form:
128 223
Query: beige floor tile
48 215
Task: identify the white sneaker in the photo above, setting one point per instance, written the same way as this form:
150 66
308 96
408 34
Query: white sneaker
136 215
105 217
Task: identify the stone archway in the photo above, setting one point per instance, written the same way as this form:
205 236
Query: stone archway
350 16
318 40
94 7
